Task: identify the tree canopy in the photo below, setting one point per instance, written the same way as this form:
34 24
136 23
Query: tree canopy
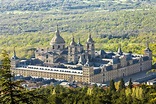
11 91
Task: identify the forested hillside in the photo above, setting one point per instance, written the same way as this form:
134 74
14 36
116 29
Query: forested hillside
44 5
28 24
109 18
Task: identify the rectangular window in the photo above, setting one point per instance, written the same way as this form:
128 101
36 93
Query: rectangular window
46 56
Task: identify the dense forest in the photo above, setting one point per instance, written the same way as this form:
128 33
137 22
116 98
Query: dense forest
95 95
21 16
44 5
28 24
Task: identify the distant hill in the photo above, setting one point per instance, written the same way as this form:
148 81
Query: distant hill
102 17
44 5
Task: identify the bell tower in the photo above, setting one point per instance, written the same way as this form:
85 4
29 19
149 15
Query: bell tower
90 47
72 52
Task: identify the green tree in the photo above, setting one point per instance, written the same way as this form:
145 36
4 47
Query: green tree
11 92
121 84
112 86
130 85
153 100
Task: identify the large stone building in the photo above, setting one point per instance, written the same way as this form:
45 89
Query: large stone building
81 63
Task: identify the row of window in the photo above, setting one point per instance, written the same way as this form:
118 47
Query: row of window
52 69
62 76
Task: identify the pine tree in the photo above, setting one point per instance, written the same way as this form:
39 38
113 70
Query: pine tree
130 85
112 86
122 84
11 92
9 89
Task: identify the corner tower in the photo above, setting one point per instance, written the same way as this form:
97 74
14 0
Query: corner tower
57 42
147 51
14 60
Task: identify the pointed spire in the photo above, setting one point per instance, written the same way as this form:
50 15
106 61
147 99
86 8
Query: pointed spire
57 31
120 50
73 38
79 43
72 42
57 27
147 44
147 47
90 38
14 52
79 40
14 55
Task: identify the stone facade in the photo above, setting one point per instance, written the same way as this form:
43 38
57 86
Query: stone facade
78 63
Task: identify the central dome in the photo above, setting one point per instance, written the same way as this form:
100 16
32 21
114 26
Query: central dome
57 39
